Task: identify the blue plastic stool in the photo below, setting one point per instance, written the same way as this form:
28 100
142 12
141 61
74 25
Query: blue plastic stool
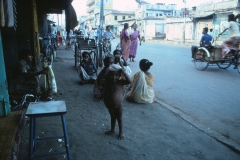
45 109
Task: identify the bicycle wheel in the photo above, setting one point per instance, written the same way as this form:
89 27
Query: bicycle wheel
224 64
201 60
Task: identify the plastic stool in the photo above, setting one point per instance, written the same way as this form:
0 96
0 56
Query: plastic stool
45 109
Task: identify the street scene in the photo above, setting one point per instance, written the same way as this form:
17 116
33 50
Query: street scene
152 131
99 79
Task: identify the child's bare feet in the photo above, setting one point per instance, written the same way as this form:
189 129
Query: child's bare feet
120 136
109 132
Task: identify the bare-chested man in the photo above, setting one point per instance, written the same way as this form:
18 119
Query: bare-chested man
113 96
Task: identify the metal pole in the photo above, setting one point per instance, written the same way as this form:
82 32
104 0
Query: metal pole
184 25
100 34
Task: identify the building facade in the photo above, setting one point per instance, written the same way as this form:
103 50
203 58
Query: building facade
82 21
214 16
151 18
116 19
93 11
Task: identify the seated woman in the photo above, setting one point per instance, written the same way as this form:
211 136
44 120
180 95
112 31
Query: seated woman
233 42
142 84
101 78
86 69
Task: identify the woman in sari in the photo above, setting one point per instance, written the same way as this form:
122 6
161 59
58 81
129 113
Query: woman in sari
134 42
125 42
142 85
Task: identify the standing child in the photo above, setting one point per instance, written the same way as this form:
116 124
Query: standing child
113 95
101 79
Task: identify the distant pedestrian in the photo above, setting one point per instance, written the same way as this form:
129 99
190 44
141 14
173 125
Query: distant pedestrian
134 42
113 95
125 41
86 32
53 29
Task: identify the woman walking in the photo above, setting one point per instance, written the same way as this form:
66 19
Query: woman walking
134 42
125 42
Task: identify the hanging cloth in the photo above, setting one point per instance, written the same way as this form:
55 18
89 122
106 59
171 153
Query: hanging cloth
2 18
7 14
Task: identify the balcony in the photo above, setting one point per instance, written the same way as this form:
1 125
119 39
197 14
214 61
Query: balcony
90 2
90 9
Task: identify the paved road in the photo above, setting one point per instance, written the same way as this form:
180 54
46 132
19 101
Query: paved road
210 97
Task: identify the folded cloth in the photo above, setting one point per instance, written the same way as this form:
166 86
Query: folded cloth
114 67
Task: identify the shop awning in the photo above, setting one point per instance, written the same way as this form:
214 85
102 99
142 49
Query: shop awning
71 18
53 6
201 15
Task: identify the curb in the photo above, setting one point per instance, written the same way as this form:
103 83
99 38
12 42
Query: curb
210 132
174 42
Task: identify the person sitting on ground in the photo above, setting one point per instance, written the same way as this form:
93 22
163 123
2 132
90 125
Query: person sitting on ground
113 95
119 59
25 80
142 84
233 42
205 41
101 79
86 69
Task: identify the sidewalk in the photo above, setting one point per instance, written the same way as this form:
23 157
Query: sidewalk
151 131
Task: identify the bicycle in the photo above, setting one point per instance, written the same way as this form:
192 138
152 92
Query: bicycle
48 49
106 48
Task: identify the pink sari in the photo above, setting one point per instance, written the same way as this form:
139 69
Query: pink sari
125 44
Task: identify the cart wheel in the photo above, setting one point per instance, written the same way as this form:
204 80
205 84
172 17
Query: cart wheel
224 64
201 60
238 64
94 57
75 56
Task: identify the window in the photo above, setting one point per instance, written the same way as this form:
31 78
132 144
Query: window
129 16
146 14
160 14
156 15
115 17
123 17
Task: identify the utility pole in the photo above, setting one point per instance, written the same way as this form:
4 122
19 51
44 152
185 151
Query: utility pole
100 35
184 25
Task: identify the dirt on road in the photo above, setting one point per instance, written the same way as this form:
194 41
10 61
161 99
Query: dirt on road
152 132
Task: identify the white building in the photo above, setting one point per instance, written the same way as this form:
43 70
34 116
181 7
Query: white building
82 21
151 18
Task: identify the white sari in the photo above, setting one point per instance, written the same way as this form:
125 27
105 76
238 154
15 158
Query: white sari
141 88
